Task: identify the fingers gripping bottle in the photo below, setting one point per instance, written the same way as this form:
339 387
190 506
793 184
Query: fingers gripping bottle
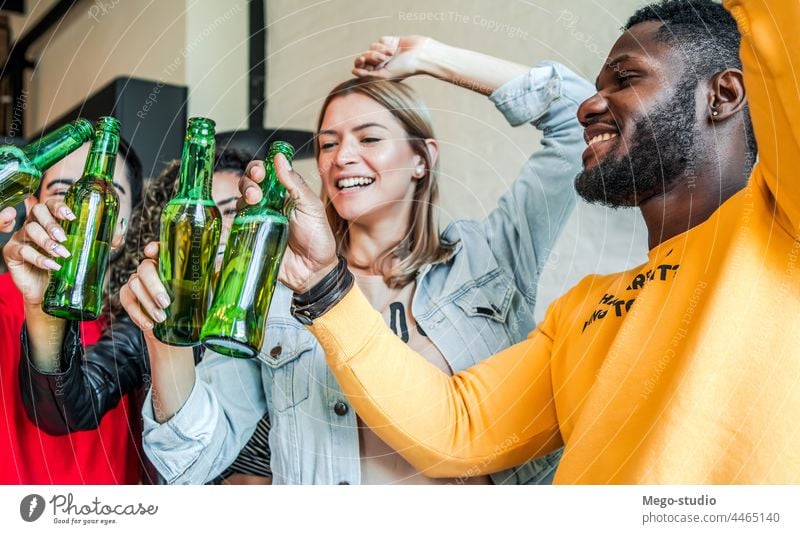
75 291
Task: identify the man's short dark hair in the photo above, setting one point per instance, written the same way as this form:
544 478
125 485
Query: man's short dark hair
704 33
231 159
133 168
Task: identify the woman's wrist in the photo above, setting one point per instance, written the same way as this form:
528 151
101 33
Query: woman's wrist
320 275
45 338
41 321
432 59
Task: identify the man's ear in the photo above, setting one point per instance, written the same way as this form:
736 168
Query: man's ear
727 95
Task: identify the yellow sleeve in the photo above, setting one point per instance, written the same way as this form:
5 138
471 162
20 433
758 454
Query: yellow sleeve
770 53
495 415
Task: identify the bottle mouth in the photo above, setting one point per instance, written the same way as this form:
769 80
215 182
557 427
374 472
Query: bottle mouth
280 147
108 124
201 126
84 128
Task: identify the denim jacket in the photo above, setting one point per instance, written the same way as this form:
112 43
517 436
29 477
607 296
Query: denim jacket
471 306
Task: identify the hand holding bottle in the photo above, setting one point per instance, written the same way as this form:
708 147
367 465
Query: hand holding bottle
143 296
311 251
29 253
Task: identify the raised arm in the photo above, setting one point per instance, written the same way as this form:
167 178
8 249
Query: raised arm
399 57
770 54
193 430
29 257
218 416
531 214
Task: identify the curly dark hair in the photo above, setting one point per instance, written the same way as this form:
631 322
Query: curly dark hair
707 37
146 221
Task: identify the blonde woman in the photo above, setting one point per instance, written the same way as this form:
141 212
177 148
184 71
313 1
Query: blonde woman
455 296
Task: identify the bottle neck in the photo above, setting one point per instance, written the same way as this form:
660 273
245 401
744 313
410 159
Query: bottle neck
274 194
102 155
197 167
54 146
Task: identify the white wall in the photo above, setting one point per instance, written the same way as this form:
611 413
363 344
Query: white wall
216 66
93 45
202 43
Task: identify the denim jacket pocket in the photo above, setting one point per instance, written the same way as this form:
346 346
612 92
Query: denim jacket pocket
285 343
488 296
485 305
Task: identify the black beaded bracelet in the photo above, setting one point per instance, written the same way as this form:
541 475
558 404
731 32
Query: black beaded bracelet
325 294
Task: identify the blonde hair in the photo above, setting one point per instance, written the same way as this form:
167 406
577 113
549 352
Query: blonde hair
422 243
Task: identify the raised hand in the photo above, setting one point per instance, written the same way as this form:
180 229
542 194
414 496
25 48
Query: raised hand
394 57
143 296
30 252
311 251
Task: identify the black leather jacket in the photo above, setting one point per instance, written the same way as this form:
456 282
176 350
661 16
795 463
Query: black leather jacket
78 398
91 384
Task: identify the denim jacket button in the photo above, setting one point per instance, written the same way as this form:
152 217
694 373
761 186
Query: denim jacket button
340 408
276 351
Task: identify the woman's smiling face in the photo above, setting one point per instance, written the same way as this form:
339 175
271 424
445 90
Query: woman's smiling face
365 161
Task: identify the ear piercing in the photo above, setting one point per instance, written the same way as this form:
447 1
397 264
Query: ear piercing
419 171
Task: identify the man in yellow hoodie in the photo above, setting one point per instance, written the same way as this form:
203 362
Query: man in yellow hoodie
682 370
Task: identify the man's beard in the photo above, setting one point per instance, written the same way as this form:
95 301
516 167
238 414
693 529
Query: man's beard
662 151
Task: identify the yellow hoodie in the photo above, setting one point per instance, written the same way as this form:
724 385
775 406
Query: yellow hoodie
684 370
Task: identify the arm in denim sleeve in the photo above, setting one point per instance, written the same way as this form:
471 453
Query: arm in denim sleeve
204 437
90 385
530 215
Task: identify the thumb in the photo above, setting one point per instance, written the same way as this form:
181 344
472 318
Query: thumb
299 191
119 234
7 218
151 250
391 42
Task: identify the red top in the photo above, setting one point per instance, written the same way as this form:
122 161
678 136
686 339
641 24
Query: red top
28 455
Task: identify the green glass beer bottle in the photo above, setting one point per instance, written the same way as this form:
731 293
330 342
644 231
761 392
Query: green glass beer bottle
21 168
75 292
236 320
190 228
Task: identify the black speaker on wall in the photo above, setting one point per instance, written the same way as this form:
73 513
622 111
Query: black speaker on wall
152 115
